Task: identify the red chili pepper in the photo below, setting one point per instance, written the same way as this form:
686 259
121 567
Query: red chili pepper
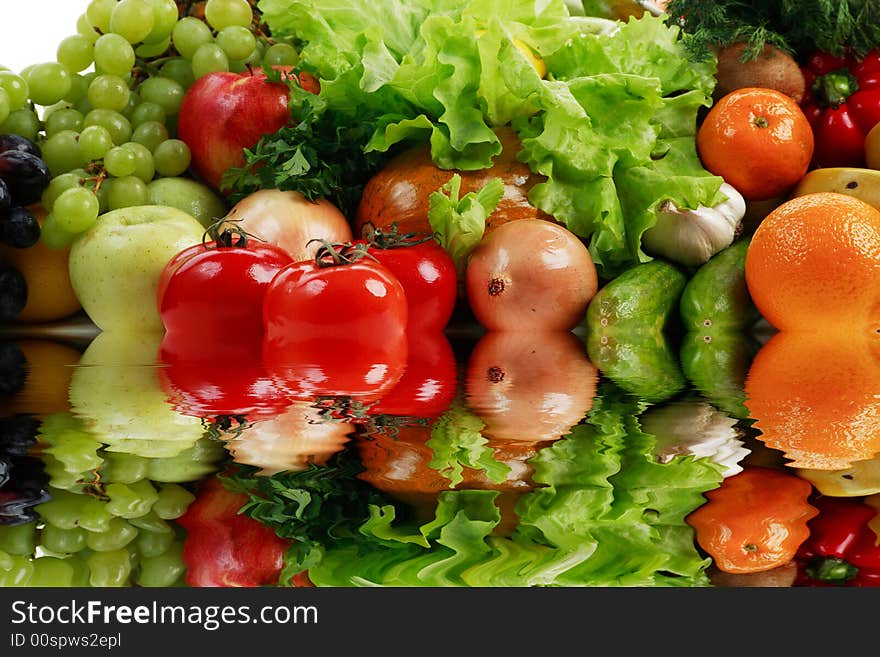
842 103
842 549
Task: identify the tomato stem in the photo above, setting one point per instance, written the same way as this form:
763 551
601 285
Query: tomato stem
390 237
336 254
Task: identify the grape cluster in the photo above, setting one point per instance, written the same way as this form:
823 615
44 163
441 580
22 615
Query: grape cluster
23 479
110 519
104 113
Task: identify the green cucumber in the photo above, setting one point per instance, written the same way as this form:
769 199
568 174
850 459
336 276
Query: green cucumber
716 298
639 299
716 366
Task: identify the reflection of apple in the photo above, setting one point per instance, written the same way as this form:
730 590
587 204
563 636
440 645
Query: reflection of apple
223 113
115 390
115 265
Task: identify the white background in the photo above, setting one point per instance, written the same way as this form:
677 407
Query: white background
30 30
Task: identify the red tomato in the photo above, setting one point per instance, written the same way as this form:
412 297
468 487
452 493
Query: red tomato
207 378
224 548
426 271
429 382
336 325
217 287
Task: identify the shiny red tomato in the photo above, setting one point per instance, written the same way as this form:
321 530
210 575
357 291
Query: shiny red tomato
217 288
425 269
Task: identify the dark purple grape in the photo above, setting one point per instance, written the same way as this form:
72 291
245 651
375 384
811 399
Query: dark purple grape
25 174
25 489
13 367
19 228
18 434
12 142
13 293
5 198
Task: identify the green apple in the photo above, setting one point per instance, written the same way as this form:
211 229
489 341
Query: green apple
115 266
116 391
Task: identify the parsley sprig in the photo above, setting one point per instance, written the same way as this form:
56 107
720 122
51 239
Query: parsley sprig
797 27
321 154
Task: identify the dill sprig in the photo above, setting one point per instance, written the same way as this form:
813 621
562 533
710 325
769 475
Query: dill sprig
797 27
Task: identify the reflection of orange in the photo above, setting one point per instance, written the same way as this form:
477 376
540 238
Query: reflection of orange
816 398
814 263
49 366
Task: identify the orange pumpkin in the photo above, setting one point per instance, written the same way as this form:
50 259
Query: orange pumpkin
399 192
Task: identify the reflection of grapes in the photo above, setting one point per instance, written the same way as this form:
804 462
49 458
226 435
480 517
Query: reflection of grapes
22 477
109 521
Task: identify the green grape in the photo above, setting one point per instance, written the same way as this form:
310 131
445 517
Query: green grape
151 50
77 449
53 236
131 500
132 20
51 571
165 92
23 122
191 464
62 541
152 524
95 514
125 192
120 162
18 539
237 42
144 168
111 568
48 82
178 69
223 13
61 152
113 55
80 567
209 58
163 569
63 510
60 183
165 15
5 105
281 54
98 14
15 570
150 134
94 142
145 112
63 119
102 191
123 468
119 534
75 53
60 477
77 211
84 28
116 124
109 92
17 88
172 157
189 34
152 544
173 501
191 196
79 90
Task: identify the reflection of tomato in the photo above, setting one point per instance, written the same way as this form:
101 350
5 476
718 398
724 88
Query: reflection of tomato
218 286
206 378
323 366
426 271
429 382
530 386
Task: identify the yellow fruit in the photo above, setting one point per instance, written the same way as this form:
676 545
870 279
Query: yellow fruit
872 147
859 182
861 478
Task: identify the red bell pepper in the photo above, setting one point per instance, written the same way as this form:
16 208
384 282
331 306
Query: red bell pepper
842 103
223 548
842 549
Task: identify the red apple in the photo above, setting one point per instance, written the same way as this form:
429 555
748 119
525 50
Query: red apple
223 113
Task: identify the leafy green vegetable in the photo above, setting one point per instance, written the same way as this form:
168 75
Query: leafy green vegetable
795 26
459 223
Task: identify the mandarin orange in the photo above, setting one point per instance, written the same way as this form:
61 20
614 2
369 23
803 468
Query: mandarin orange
816 398
814 264
757 139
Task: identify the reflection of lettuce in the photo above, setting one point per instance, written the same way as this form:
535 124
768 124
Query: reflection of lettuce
605 512
611 126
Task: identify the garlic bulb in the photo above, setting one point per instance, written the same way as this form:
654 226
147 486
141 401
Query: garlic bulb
691 237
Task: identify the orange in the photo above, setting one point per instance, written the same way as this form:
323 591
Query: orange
758 140
816 398
814 264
